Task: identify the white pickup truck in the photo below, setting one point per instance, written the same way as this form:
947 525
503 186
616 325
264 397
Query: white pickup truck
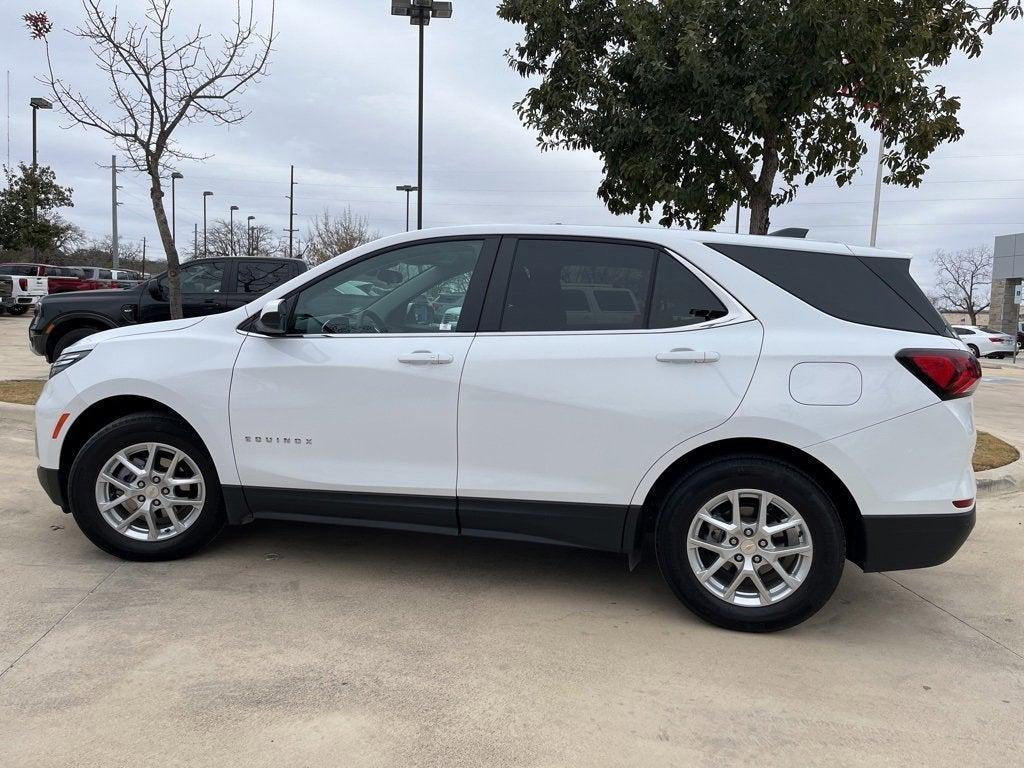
18 294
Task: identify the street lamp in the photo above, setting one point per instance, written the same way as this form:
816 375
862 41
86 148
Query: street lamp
407 188
205 195
248 234
174 209
37 104
232 227
420 12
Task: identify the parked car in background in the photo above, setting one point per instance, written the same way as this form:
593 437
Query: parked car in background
125 278
208 286
765 408
58 279
18 294
984 342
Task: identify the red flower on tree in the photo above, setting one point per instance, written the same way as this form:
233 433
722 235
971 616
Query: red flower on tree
38 23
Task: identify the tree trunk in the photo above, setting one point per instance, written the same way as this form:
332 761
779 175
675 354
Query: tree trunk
972 314
760 205
760 195
156 195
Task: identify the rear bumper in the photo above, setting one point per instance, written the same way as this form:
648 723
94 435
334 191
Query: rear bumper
899 542
19 301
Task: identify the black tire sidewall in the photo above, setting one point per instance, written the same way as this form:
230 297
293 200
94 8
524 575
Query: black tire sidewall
71 337
819 513
129 430
17 311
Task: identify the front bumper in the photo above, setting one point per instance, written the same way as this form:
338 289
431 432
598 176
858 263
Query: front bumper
37 341
900 542
50 480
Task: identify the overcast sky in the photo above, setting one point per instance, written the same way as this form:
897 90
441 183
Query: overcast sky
340 103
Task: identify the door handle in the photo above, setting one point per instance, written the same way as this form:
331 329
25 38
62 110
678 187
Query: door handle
687 356
425 357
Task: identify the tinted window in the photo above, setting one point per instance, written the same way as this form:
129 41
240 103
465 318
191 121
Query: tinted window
200 278
18 269
868 290
963 331
105 274
549 276
261 276
419 289
680 298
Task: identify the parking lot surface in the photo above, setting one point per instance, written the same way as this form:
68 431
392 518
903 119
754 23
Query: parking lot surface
17 361
303 645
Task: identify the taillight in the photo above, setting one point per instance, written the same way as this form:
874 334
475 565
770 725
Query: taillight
997 339
949 373
23 282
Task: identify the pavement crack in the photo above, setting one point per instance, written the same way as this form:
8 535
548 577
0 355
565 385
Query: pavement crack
57 623
954 616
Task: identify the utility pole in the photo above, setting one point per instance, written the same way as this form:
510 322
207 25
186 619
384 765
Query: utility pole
291 211
195 240
143 255
114 256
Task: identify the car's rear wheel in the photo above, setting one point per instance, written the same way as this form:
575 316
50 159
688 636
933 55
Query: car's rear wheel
974 350
19 309
144 488
750 543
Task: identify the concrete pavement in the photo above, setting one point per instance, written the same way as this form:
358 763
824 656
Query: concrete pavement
320 646
16 360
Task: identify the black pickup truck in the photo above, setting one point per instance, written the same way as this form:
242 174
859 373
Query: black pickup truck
208 286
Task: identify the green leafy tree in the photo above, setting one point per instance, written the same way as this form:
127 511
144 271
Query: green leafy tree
28 205
696 104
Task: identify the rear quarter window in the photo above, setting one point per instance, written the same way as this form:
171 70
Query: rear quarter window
869 290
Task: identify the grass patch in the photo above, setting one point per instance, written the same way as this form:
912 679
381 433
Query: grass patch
991 452
23 392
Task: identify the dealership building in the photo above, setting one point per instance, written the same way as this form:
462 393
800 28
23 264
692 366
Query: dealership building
1007 276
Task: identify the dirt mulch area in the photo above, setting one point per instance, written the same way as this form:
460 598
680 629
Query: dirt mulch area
992 452
23 392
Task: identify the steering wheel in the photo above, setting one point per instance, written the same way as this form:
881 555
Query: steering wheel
369 322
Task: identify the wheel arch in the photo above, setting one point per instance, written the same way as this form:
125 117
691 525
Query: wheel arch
72 322
849 512
97 416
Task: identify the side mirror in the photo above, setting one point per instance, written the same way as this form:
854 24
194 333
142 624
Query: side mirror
272 318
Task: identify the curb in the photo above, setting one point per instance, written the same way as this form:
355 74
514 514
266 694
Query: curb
1001 480
25 414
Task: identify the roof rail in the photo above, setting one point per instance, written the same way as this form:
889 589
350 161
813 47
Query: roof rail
797 232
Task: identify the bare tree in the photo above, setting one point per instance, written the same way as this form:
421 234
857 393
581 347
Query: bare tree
330 235
219 240
159 81
962 281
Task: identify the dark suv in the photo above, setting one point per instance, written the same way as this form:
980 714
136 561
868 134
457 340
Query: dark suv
208 286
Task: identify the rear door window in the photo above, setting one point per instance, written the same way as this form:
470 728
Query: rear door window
551 281
255 277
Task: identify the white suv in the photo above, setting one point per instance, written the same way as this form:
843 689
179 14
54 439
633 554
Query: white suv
767 408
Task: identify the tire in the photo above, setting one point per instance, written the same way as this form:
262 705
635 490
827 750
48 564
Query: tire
974 350
69 338
20 309
780 606
137 544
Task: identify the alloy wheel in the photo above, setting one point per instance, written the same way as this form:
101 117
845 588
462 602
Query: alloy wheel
749 547
150 492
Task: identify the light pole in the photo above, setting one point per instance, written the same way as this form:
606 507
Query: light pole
232 227
248 234
408 189
36 103
420 12
205 196
174 209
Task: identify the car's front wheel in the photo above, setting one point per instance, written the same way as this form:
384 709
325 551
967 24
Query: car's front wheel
750 543
144 488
